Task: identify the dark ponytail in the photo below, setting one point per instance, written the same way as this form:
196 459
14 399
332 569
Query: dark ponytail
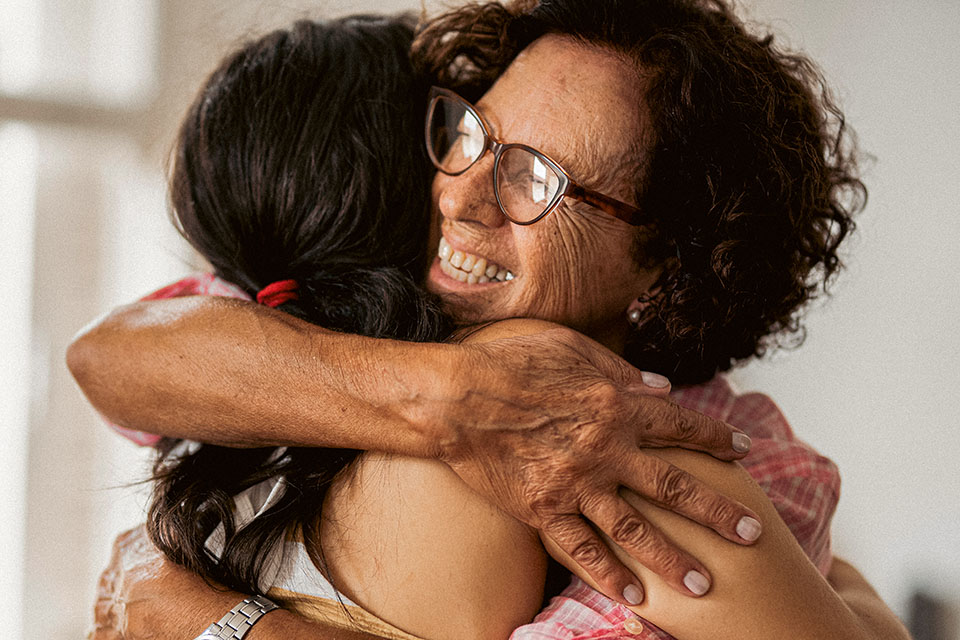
300 159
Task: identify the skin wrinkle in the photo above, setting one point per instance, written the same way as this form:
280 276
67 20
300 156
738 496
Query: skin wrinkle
558 237
568 267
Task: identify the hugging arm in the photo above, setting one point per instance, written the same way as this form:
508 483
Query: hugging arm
768 590
542 425
143 596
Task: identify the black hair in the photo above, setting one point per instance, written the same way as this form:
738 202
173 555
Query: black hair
301 158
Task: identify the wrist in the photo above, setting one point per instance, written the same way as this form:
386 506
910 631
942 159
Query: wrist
240 619
431 395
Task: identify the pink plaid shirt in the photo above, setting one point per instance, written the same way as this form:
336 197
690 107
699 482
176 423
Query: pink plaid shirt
803 486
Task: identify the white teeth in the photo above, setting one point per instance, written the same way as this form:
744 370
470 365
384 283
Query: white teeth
469 268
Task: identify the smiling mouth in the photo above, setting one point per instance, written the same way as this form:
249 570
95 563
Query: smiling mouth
469 268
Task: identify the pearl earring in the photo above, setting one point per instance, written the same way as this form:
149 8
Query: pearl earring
633 315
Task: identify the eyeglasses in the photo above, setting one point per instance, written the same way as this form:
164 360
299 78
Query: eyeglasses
527 183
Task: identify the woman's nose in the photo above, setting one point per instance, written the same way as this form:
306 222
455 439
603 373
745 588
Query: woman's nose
469 197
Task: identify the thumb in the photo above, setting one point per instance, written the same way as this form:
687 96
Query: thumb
649 383
623 373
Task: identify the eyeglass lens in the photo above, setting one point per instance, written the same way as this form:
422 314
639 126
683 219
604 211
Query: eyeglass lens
525 184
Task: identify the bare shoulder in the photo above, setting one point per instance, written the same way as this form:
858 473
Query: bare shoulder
498 329
406 538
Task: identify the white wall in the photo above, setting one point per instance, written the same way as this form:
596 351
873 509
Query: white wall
876 384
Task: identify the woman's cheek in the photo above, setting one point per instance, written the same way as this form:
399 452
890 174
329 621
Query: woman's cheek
575 254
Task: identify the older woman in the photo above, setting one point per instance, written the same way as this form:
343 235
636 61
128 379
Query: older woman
694 243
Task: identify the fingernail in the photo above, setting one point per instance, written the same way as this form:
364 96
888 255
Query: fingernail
633 594
748 528
741 442
654 380
696 582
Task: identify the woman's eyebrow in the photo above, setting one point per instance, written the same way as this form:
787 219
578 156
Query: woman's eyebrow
583 162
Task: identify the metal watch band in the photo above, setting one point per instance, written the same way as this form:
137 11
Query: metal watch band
238 620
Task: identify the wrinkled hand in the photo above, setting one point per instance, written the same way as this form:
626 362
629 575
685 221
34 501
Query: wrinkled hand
141 594
563 424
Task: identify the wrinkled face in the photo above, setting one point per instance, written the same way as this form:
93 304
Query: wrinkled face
578 104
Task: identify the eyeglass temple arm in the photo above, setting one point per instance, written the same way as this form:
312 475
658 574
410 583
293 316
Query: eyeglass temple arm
616 208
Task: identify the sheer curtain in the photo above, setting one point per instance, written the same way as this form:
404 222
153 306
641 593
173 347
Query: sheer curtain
83 228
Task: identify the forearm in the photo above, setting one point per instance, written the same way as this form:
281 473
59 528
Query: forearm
143 596
201 605
539 422
235 373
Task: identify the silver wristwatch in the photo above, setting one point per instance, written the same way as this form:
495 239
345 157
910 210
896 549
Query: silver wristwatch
238 620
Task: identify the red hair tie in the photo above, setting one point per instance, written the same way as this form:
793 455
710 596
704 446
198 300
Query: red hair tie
276 293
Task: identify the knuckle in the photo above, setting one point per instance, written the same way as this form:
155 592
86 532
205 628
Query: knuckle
588 553
665 559
543 500
606 393
673 487
604 404
686 424
594 505
721 511
630 529
597 438
561 529
596 431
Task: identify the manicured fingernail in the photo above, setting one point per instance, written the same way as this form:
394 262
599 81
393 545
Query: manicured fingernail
696 582
741 442
633 594
654 380
748 528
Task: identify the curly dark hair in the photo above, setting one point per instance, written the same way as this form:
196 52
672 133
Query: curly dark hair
751 176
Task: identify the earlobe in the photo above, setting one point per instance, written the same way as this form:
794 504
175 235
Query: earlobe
641 302
659 277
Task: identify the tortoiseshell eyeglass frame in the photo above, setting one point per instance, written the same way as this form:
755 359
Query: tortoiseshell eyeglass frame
568 187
